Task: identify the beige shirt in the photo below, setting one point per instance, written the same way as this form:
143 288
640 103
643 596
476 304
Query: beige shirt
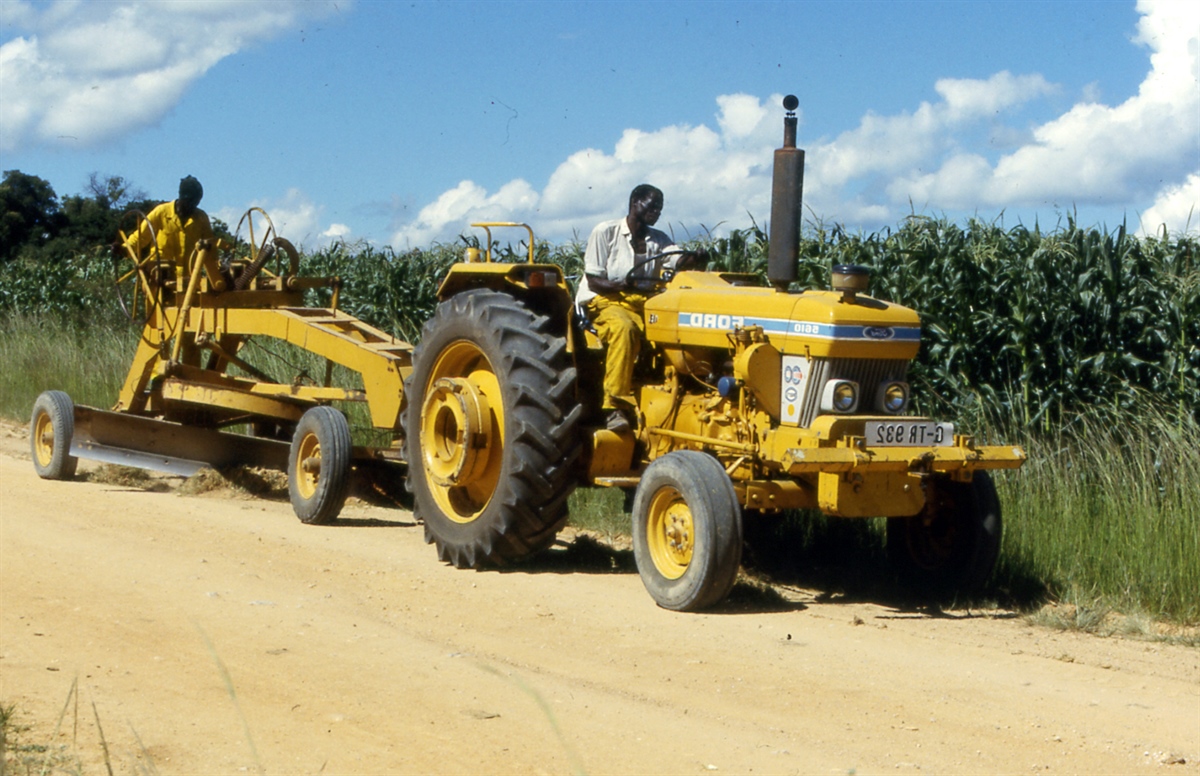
609 254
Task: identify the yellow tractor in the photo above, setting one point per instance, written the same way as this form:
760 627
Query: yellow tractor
751 399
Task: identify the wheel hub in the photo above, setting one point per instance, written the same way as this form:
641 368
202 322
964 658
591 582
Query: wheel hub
308 472
456 421
44 434
670 533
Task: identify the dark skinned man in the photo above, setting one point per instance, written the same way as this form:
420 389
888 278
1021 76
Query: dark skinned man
612 300
178 226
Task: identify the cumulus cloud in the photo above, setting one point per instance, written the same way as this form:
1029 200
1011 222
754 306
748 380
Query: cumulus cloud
84 73
965 151
1176 207
295 216
1093 153
708 176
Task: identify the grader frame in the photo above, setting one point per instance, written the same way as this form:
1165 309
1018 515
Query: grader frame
181 395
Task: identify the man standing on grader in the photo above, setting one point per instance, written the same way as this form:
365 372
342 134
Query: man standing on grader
178 226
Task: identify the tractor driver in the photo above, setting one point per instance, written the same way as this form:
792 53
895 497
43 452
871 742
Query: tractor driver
178 225
613 305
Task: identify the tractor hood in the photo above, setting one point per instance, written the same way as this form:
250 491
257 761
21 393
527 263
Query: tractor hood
700 309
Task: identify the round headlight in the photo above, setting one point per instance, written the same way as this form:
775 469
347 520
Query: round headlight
839 396
843 397
894 398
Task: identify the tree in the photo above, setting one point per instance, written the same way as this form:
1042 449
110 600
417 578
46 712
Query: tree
113 191
29 213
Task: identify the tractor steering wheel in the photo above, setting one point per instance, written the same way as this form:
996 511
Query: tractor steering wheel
651 284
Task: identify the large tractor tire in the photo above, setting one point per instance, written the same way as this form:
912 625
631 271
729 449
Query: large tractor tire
319 465
952 545
50 430
491 430
687 531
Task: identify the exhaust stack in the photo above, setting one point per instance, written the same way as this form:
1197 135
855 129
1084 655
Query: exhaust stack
787 193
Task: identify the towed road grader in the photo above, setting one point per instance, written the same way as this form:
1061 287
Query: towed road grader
751 399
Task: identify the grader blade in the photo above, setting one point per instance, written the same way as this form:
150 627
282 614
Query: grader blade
159 445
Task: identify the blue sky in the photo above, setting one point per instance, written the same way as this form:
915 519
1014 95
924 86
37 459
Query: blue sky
399 123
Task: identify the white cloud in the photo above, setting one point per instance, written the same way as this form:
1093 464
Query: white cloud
708 176
294 216
968 99
1094 153
85 73
1176 207
966 151
449 215
741 116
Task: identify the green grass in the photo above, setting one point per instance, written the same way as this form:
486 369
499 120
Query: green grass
601 510
1109 514
41 353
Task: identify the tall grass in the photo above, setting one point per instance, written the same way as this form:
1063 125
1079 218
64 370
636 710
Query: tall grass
44 352
1110 513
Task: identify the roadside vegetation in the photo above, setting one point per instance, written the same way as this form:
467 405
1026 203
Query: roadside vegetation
1080 344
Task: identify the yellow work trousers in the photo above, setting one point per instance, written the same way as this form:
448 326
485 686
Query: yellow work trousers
618 322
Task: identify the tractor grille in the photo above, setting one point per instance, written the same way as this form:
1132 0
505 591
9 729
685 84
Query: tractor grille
867 372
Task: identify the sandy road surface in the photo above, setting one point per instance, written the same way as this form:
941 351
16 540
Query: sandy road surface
350 649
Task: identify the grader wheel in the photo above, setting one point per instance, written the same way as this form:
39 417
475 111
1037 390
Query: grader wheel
50 430
319 465
491 430
687 531
141 271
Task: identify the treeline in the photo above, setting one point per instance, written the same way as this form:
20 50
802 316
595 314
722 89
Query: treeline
1020 326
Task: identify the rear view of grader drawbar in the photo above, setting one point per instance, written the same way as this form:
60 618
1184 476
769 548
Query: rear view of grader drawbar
179 402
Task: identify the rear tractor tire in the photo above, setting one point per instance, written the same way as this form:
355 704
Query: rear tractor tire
687 531
952 545
50 430
319 465
491 430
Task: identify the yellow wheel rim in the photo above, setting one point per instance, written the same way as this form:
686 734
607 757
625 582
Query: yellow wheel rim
462 431
308 466
43 436
670 533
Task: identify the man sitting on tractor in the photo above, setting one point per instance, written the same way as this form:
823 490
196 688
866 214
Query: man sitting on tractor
178 226
620 253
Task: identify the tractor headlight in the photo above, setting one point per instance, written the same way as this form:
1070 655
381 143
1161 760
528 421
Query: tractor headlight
893 397
839 396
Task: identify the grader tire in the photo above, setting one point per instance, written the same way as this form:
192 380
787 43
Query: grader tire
491 430
50 430
319 465
953 544
687 531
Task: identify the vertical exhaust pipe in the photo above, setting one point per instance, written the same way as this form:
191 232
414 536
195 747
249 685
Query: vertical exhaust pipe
787 193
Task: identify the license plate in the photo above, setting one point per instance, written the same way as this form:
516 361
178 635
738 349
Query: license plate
909 433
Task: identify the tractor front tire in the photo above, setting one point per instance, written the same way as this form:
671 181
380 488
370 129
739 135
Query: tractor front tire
687 531
491 430
50 430
952 545
319 465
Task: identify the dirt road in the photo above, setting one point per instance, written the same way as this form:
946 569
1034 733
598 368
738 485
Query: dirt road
218 635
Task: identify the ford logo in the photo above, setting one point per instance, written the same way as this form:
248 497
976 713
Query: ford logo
879 332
